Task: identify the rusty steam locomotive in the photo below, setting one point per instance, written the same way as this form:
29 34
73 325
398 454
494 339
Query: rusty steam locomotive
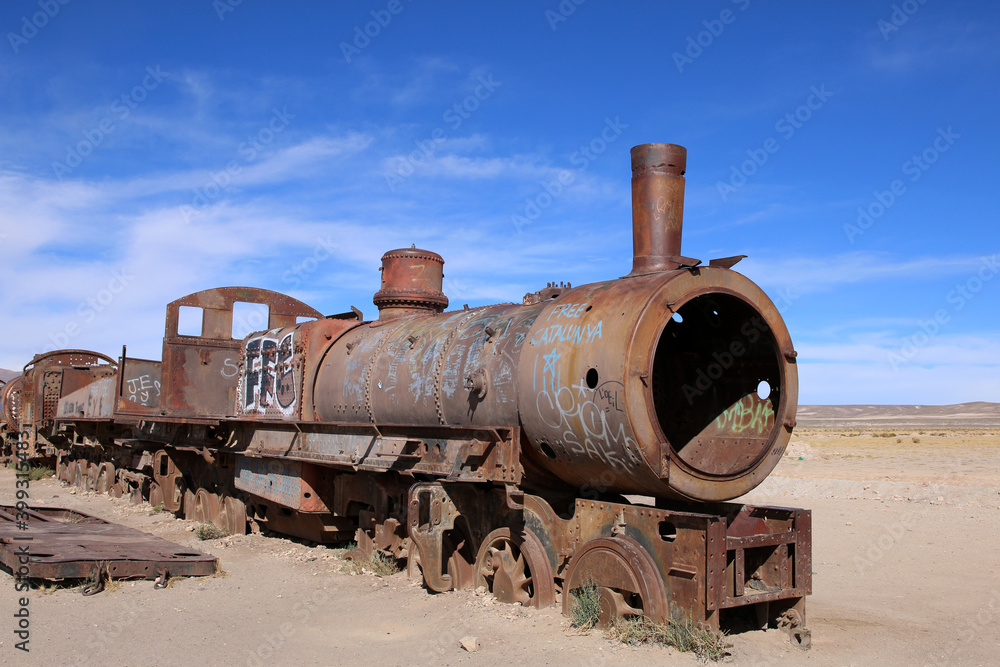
588 435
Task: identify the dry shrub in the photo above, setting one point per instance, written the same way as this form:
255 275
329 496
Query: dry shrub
209 531
41 472
586 608
378 564
681 635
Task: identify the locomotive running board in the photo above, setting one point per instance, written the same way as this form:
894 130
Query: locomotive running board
57 543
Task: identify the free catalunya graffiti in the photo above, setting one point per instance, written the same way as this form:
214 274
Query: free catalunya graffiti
268 378
590 420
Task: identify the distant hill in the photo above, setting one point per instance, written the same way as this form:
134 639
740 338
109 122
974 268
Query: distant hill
8 375
961 415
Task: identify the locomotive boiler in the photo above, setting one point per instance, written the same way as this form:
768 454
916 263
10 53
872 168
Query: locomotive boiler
586 436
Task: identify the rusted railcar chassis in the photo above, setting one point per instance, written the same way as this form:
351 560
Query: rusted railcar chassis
719 565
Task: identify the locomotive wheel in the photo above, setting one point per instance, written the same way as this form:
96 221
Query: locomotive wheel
105 478
91 481
116 490
515 568
188 504
461 563
627 579
206 507
76 474
233 516
61 468
155 494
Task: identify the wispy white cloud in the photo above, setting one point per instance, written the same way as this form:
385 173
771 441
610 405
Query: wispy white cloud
877 347
825 272
130 227
418 86
925 42
889 367
423 80
457 166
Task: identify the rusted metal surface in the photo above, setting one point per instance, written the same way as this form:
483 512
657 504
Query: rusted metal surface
290 484
10 401
710 558
411 283
134 387
60 373
200 372
277 368
66 544
657 206
32 400
512 564
627 579
456 453
169 481
95 401
140 383
424 370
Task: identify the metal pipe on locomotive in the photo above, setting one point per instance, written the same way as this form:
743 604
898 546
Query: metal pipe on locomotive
490 446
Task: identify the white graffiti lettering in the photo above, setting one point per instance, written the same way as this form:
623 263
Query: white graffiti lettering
268 374
572 333
141 389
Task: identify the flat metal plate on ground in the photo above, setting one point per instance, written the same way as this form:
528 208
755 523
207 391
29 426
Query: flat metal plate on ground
66 544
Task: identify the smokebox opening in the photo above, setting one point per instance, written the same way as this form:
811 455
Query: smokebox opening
716 384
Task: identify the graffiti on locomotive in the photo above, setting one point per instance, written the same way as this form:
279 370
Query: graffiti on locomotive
268 379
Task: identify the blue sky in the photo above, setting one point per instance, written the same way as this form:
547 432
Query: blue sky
150 150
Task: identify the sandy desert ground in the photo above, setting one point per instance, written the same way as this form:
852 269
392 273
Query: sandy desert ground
906 572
